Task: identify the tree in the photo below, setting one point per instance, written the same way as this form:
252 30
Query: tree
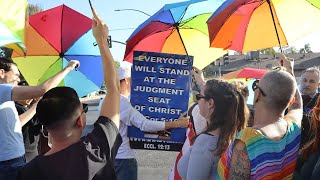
306 49
33 9
289 49
268 51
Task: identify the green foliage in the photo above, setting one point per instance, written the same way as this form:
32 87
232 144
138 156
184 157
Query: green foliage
268 51
33 9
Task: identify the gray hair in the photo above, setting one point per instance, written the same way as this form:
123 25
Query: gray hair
280 87
315 70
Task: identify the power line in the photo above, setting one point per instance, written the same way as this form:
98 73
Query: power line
121 29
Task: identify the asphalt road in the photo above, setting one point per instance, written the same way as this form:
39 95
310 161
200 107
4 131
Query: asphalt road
155 165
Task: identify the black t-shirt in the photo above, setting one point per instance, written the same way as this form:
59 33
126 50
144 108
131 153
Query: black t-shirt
91 158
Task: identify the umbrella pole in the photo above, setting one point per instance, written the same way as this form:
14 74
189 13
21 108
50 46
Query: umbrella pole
185 49
275 27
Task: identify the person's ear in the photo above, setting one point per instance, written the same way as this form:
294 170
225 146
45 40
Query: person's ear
257 96
2 72
80 122
292 101
211 104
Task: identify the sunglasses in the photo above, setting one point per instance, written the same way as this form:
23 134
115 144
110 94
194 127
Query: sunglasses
255 85
85 108
199 96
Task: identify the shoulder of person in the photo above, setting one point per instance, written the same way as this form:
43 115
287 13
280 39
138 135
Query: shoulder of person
247 133
205 142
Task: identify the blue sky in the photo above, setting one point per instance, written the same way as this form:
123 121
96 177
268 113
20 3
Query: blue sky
115 20
129 20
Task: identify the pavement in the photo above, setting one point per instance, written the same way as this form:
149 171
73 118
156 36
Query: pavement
155 165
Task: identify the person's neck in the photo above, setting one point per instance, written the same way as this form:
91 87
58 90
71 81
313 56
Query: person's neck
264 116
311 95
61 143
215 132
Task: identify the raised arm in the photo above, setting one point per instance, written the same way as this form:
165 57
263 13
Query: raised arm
30 92
111 105
28 115
296 109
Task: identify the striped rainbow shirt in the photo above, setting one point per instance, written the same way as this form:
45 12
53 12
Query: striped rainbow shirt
268 159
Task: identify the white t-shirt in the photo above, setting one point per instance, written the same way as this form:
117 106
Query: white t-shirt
11 139
129 116
199 121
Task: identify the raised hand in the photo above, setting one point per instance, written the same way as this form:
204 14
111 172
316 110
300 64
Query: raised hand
99 28
73 64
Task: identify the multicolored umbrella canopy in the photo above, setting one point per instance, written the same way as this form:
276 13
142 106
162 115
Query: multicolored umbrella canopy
245 25
54 37
178 28
12 23
246 73
316 3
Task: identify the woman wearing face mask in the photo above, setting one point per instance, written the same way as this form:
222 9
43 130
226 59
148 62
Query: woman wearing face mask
223 107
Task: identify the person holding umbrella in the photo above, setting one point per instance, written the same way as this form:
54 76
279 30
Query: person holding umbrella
63 115
12 147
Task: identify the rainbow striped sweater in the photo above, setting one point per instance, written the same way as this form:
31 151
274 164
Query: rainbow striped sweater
268 159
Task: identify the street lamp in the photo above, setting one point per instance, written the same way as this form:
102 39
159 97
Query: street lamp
221 62
133 10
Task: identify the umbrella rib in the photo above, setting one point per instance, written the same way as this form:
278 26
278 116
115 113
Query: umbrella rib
61 29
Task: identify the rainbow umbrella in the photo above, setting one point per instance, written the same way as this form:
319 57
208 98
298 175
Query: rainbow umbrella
178 28
54 37
246 25
316 3
12 22
246 73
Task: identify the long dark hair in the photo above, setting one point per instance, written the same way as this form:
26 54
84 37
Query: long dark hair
313 145
229 114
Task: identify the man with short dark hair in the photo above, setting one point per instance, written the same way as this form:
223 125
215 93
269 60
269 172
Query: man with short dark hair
309 84
63 115
12 147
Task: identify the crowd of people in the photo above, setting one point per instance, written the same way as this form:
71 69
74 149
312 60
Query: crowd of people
279 141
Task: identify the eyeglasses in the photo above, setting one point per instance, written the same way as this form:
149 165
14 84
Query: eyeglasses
199 96
85 108
255 86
